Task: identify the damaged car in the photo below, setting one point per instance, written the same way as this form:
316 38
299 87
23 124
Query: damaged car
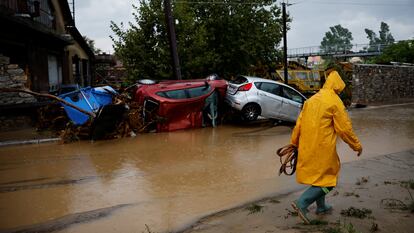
253 97
181 104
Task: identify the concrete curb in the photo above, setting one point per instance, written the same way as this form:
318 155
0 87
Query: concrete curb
27 142
354 106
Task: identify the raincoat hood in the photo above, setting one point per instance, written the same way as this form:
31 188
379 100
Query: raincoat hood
334 82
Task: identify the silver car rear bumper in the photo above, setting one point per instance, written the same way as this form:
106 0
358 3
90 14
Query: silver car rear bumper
236 101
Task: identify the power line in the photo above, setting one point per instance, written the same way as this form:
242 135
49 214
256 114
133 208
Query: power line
220 3
315 2
358 3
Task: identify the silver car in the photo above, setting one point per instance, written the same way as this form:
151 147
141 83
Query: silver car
255 97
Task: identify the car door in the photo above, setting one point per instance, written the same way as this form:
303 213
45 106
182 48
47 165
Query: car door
291 104
269 98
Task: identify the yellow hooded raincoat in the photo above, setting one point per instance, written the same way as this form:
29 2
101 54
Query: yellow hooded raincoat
323 117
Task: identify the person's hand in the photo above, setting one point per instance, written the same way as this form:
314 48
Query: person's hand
359 152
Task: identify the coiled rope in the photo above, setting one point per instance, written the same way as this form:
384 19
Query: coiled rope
288 156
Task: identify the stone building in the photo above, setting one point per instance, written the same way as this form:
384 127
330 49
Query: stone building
40 49
40 37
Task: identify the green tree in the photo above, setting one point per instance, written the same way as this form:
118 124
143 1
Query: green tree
385 37
372 37
91 44
402 51
337 39
385 34
223 38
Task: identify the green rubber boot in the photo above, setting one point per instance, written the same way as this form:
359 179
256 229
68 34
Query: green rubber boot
301 205
322 207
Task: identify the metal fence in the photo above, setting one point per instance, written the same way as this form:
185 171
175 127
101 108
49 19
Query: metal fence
338 50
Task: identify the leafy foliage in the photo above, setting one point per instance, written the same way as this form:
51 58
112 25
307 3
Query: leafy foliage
337 39
91 44
385 37
212 38
402 51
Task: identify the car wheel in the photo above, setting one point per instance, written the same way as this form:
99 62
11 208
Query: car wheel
250 112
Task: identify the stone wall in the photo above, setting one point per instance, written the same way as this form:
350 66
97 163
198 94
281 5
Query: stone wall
11 76
381 84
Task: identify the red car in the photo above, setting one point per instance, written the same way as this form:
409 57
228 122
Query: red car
181 104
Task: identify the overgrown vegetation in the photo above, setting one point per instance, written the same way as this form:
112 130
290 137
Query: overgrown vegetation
348 194
391 203
345 228
356 213
389 182
254 208
212 38
403 51
395 204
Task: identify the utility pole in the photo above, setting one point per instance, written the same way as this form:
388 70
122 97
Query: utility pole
285 61
73 11
172 38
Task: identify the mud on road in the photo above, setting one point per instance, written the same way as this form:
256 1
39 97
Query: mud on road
168 180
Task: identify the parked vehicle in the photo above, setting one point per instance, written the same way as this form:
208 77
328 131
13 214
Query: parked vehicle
181 103
255 97
304 79
307 81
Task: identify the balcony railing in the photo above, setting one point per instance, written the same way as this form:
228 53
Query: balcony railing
38 10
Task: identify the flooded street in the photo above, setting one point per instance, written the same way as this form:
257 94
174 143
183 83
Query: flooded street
165 180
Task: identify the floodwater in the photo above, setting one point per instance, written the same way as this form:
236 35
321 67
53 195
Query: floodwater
167 180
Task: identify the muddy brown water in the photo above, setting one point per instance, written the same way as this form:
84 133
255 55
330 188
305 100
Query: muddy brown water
167 180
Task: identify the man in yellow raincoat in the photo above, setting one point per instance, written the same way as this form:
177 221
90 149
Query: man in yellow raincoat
323 117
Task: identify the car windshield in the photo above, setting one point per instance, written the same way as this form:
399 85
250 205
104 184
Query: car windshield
185 93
